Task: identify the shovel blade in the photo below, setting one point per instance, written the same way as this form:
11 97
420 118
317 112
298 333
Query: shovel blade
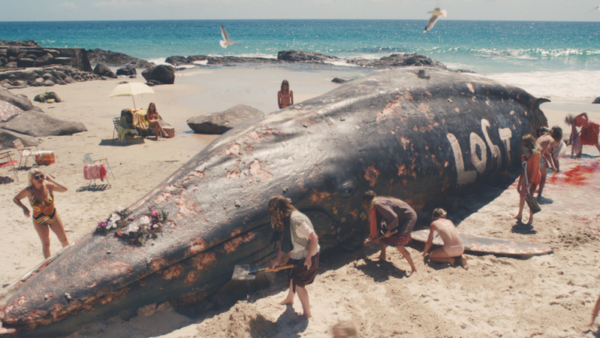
245 272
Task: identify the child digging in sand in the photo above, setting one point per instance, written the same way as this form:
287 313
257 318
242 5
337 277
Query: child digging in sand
388 215
453 248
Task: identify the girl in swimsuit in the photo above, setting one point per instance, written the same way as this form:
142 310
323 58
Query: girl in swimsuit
285 97
153 120
453 248
533 158
40 193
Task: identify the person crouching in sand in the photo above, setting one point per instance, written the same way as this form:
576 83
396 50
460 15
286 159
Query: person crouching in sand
532 156
387 215
453 248
296 236
285 97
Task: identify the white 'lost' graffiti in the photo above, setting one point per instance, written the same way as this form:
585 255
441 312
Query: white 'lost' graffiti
479 161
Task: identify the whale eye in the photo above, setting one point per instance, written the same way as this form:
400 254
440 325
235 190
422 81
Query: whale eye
347 188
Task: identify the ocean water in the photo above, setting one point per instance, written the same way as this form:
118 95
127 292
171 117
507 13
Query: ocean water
515 52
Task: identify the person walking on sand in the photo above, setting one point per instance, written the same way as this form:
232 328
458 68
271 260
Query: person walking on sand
595 312
40 192
532 156
296 235
285 97
453 248
154 121
587 136
392 218
545 144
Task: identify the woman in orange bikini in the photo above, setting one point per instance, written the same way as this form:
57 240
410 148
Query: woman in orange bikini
285 97
40 193
153 120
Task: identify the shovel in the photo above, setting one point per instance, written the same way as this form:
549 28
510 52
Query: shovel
367 242
249 271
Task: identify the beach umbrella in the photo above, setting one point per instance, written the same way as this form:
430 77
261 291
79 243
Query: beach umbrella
131 89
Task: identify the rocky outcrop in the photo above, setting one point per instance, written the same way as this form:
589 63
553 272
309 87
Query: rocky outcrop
40 76
47 96
338 80
29 54
161 74
7 137
20 101
219 123
103 70
39 124
300 56
597 100
115 59
399 60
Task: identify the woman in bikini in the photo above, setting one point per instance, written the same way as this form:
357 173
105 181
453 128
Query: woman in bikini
533 157
453 248
153 120
285 97
40 193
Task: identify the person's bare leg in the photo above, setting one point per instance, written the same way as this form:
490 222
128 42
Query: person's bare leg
463 262
598 146
595 312
441 256
382 255
44 234
290 297
543 181
59 229
521 202
530 220
303 295
406 255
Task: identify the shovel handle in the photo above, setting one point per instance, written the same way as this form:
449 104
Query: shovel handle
280 268
380 237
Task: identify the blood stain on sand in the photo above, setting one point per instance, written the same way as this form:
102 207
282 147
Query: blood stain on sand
579 175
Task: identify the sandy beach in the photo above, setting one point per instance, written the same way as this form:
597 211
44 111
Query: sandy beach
550 295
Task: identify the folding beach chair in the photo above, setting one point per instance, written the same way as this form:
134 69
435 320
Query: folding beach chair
122 129
88 159
25 152
7 161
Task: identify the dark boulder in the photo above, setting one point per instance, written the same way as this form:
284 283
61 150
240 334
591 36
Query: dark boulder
300 56
338 80
597 100
25 43
103 70
40 124
163 74
399 60
177 60
219 123
43 60
7 137
127 71
21 102
25 62
47 96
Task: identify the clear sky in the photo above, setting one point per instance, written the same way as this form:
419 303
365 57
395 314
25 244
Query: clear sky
70 10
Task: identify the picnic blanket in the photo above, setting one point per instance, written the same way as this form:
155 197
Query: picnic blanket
94 171
7 110
139 118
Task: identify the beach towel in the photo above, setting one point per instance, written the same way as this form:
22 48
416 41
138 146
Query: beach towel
139 119
94 171
7 110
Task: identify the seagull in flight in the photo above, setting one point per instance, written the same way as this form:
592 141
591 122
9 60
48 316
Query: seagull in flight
435 16
597 8
226 41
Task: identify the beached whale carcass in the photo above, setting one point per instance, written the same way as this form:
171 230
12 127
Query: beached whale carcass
397 132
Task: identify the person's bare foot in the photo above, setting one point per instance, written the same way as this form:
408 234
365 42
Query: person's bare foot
463 262
414 273
378 257
519 217
307 315
530 221
286 301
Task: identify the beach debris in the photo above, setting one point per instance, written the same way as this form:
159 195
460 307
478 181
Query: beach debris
226 41
338 80
67 296
47 96
435 16
128 228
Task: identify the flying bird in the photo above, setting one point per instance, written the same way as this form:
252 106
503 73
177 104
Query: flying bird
435 16
226 41
597 8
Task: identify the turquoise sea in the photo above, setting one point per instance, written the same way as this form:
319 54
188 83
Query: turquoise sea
524 51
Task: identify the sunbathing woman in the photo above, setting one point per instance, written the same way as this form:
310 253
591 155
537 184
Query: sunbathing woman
40 193
153 120
531 154
285 97
296 235
588 134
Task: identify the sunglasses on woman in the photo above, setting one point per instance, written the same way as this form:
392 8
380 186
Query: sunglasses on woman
39 176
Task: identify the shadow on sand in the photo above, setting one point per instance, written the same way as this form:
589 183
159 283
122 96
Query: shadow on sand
94 187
